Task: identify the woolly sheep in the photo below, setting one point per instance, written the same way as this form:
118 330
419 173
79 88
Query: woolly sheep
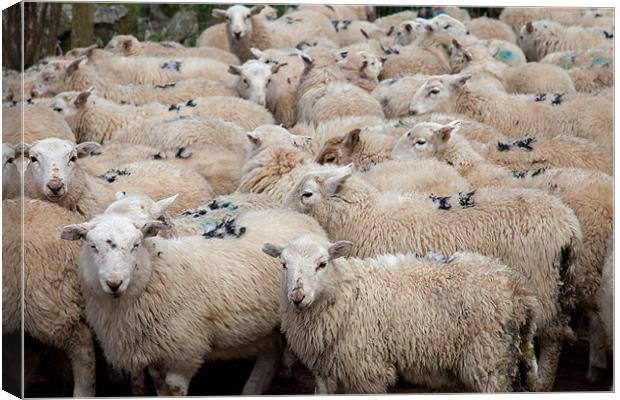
539 38
489 28
51 291
516 17
254 78
336 12
129 45
79 77
350 209
337 299
163 288
360 147
395 19
517 115
325 94
39 122
472 130
11 164
349 32
568 59
394 94
362 69
246 29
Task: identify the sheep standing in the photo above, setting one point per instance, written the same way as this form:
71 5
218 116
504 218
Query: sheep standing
234 317
350 209
361 344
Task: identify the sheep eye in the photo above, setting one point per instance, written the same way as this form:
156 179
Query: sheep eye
330 158
57 109
420 141
268 81
245 81
306 194
92 246
10 160
33 159
73 159
433 92
447 26
321 265
135 246
283 265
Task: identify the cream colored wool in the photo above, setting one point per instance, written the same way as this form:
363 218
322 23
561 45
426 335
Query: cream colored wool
362 69
472 130
592 79
215 36
337 12
414 176
394 94
12 165
129 45
392 316
516 17
360 147
324 93
51 290
79 77
39 122
516 116
349 32
588 58
350 209
539 38
489 28
395 19
558 151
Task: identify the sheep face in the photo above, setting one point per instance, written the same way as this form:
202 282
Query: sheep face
123 44
50 80
534 33
113 254
425 140
317 186
308 268
435 94
52 165
254 78
266 136
238 22
368 65
450 24
408 31
10 172
338 150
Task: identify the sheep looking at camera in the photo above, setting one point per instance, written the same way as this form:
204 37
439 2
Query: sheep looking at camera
336 298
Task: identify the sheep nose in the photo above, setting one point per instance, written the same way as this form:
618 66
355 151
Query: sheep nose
114 285
297 301
413 112
237 35
55 187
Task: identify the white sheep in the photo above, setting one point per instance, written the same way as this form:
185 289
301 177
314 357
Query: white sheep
39 122
395 19
362 69
394 94
254 79
400 315
490 28
11 165
350 209
336 12
130 279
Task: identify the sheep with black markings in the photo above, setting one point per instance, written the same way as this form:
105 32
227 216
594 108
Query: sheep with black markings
350 209
131 278
361 344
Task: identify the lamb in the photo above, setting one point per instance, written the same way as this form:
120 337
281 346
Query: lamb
53 174
254 79
246 29
51 290
11 165
539 38
350 209
163 288
336 298
76 76
129 45
363 150
560 151
97 119
39 122
489 28
362 69
324 94
518 115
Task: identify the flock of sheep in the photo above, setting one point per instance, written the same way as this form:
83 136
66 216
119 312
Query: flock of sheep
378 199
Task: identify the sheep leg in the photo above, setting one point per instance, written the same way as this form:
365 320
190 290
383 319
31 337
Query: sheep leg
177 381
264 370
550 349
82 356
325 385
158 377
138 383
597 352
288 362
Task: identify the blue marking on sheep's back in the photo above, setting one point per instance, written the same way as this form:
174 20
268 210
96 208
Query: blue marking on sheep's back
505 55
600 60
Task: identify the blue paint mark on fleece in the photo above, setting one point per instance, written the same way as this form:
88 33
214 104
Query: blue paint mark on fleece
600 60
505 55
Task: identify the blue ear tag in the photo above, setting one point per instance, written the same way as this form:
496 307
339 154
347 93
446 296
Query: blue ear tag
600 60
504 55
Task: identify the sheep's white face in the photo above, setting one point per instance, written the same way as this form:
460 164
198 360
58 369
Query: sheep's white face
431 97
450 24
238 21
254 78
425 140
113 251
408 31
368 65
307 267
122 44
52 165
64 104
316 186
266 136
10 171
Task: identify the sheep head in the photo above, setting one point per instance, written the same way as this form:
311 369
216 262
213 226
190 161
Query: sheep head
51 80
123 44
338 150
112 250
141 207
308 267
425 140
254 79
52 165
238 20
316 186
266 136
435 94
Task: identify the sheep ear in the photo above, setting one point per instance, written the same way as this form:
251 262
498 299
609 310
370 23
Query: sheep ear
256 9
234 70
256 52
160 207
127 44
218 13
408 27
352 139
366 35
272 250
390 31
308 61
444 133
529 27
339 249
75 65
88 148
276 67
152 228
460 80
456 43
81 99
333 183
75 231
254 139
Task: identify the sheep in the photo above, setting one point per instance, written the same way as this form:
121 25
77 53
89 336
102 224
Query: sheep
47 284
39 122
325 94
96 119
560 151
395 19
449 24
362 69
363 150
408 31
517 115
317 42
246 29
516 17
349 32
77 76
590 70
54 174
336 12
472 130
129 45
11 165
485 353
123 301
539 38
394 94
588 193
350 209
568 59
489 28
254 78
